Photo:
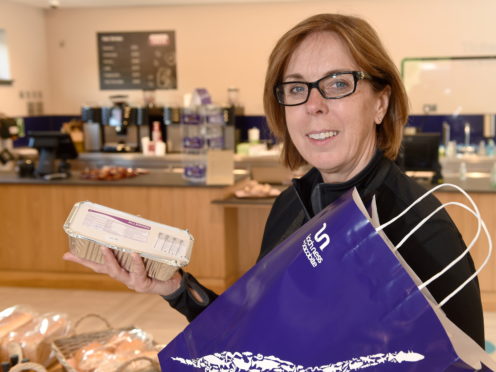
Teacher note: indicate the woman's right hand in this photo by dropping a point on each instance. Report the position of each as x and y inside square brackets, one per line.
[135, 279]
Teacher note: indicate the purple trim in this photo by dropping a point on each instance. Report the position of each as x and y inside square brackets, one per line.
[123, 220]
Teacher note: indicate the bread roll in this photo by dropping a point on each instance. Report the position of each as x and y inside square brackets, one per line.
[91, 355]
[12, 319]
[35, 337]
[15, 338]
[109, 355]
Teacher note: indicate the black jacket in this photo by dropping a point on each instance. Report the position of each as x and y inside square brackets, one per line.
[429, 250]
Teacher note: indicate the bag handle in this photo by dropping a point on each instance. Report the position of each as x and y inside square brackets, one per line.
[30, 367]
[91, 315]
[153, 364]
[464, 253]
[474, 211]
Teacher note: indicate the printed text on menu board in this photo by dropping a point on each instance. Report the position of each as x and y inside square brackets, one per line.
[137, 60]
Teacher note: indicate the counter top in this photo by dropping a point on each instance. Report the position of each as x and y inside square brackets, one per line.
[474, 185]
[173, 178]
[471, 184]
[138, 160]
[478, 183]
[153, 178]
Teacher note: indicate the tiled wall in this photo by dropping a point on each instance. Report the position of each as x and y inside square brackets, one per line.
[42, 123]
[423, 123]
[434, 123]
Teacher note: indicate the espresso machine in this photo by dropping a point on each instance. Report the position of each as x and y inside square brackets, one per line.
[116, 128]
[121, 127]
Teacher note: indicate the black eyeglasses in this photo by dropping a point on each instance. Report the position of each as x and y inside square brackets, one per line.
[333, 86]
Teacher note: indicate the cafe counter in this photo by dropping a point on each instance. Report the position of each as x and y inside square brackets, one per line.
[33, 211]
[227, 230]
[251, 216]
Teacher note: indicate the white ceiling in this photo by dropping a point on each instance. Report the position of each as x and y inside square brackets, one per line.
[125, 3]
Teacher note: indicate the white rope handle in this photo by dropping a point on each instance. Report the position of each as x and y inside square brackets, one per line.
[484, 263]
[442, 206]
[480, 224]
[439, 274]
[386, 224]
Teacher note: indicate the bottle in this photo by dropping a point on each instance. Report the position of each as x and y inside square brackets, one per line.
[490, 147]
[156, 133]
[157, 143]
[254, 135]
[451, 149]
[446, 131]
[193, 146]
[493, 175]
[463, 171]
[482, 148]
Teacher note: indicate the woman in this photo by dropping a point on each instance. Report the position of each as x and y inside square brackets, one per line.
[335, 99]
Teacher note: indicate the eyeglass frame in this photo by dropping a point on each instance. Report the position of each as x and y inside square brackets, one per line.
[357, 75]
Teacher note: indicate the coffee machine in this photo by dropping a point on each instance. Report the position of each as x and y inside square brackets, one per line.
[121, 127]
[116, 128]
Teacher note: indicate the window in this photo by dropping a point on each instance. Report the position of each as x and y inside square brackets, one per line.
[5, 78]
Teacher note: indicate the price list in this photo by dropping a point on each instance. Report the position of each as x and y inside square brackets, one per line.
[137, 60]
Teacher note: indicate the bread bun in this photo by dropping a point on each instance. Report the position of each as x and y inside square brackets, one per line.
[118, 349]
[12, 320]
[35, 337]
[90, 356]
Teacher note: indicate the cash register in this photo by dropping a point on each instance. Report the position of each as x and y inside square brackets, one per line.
[55, 149]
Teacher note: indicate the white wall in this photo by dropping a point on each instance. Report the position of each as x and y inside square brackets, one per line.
[25, 33]
[228, 45]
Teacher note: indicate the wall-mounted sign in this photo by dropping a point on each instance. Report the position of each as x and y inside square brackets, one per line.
[137, 60]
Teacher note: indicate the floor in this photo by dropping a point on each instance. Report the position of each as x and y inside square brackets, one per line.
[121, 309]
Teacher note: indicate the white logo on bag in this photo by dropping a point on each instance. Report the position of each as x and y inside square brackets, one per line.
[247, 361]
[320, 236]
[309, 246]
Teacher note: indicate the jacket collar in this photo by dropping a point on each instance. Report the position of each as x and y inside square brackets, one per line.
[314, 195]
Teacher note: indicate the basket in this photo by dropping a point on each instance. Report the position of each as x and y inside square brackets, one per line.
[137, 365]
[28, 367]
[64, 348]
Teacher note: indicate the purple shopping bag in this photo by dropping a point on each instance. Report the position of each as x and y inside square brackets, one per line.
[332, 297]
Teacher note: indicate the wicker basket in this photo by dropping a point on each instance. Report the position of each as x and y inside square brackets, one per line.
[28, 367]
[139, 364]
[64, 348]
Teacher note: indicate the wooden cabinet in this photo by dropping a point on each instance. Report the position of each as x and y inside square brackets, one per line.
[227, 237]
[32, 240]
[467, 224]
[251, 219]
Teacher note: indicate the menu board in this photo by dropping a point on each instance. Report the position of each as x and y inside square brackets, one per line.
[137, 60]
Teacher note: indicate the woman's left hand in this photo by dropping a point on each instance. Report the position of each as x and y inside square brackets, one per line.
[135, 279]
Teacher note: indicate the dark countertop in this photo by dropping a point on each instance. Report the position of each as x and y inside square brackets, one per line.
[173, 178]
[241, 202]
[154, 178]
[471, 185]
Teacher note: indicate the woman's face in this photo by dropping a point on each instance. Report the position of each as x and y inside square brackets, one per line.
[337, 136]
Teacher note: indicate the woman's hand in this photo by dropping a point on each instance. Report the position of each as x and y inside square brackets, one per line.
[135, 279]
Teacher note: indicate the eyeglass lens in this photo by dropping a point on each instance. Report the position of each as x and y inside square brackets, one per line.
[333, 86]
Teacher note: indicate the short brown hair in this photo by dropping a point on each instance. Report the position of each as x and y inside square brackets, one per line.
[367, 50]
